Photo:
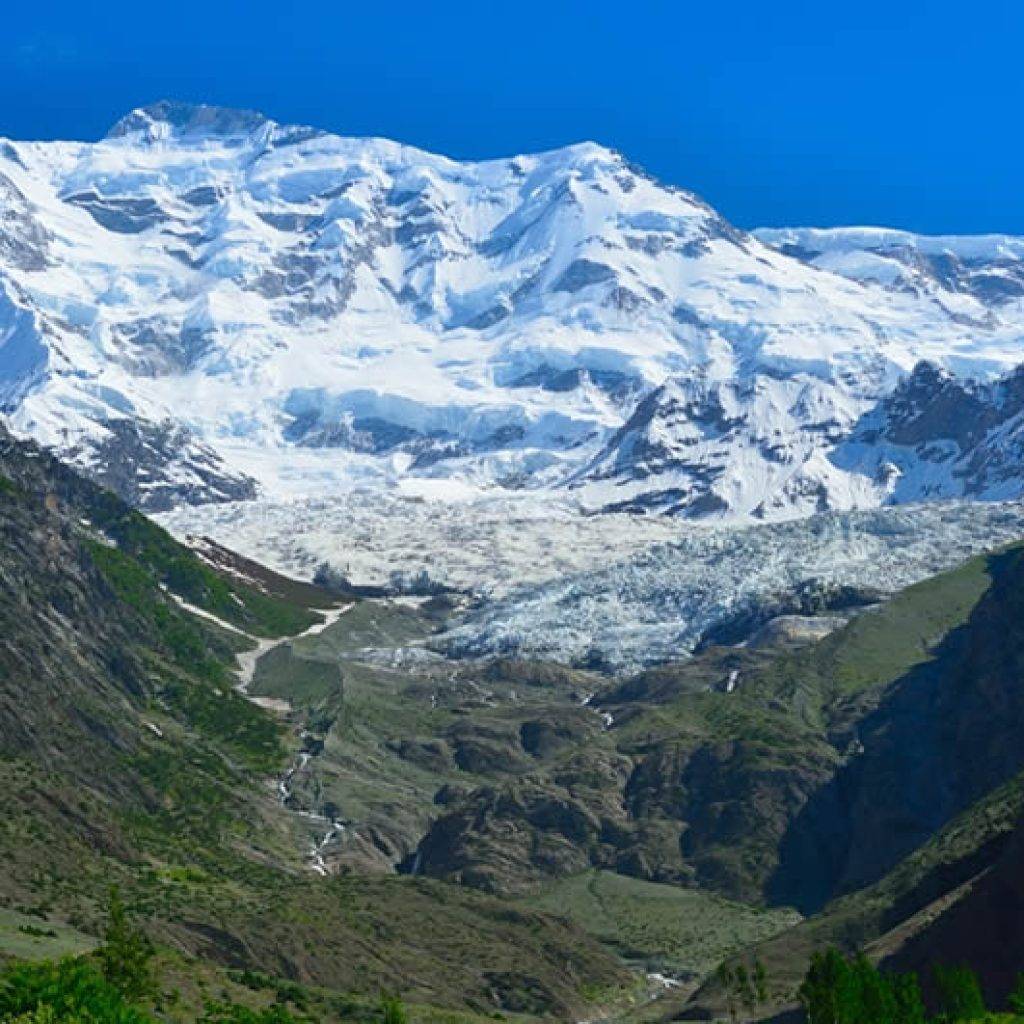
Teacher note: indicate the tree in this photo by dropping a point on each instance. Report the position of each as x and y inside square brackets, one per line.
[828, 991]
[743, 988]
[727, 980]
[760, 983]
[909, 1006]
[959, 993]
[126, 953]
[874, 994]
[836, 991]
[1017, 996]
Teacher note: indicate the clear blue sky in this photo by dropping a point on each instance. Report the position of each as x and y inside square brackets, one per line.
[899, 113]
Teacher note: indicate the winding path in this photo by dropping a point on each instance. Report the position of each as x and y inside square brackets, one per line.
[247, 659]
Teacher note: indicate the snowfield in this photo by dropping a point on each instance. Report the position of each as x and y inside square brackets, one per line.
[206, 305]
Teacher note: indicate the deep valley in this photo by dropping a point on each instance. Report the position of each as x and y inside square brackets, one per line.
[483, 834]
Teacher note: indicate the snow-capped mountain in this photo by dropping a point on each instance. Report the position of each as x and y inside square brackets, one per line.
[989, 268]
[206, 303]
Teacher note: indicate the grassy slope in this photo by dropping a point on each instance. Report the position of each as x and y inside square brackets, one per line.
[128, 758]
[680, 932]
[375, 716]
[877, 647]
[188, 985]
[32, 937]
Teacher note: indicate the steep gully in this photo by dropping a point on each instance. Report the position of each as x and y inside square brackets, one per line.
[247, 661]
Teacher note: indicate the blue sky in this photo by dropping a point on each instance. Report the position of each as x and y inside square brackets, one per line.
[898, 113]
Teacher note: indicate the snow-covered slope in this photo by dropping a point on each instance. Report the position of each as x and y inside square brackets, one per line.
[987, 268]
[213, 303]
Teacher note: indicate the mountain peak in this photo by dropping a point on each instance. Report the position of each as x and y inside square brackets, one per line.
[556, 318]
[187, 119]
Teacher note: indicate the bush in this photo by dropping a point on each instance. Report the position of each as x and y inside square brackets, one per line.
[392, 1010]
[67, 992]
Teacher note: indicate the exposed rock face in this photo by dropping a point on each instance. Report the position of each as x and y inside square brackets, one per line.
[24, 242]
[937, 436]
[734, 801]
[811, 600]
[80, 685]
[158, 466]
[498, 839]
[679, 429]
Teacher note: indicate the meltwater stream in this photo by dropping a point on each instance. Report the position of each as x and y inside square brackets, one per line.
[247, 661]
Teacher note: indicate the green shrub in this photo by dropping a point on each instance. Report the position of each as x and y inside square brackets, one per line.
[392, 1010]
[126, 954]
[66, 992]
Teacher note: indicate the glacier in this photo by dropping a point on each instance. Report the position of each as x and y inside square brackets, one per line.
[616, 591]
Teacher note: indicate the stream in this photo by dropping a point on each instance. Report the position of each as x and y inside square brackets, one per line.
[247, 661]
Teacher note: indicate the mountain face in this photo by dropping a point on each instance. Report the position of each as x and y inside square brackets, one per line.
[985, 268]
[220, 304]
[128, 757]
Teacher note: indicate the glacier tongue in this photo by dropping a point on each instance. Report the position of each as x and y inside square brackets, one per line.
[659, 604]
[617, 591]
[232, 306]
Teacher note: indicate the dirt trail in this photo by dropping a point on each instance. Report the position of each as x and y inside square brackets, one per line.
[247, 659]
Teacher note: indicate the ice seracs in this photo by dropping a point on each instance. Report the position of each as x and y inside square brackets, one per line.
[719, 584]
[220, 305]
